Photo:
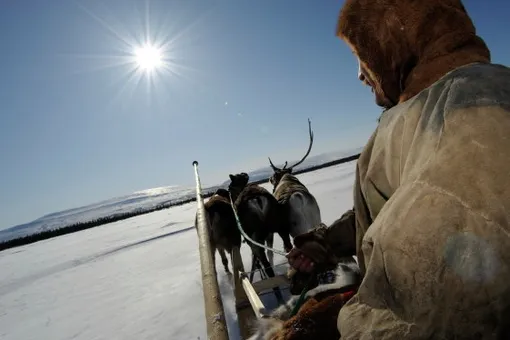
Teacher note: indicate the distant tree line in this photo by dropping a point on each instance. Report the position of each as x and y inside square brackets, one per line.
[47, 234]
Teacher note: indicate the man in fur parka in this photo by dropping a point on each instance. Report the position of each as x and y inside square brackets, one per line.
[431, 218]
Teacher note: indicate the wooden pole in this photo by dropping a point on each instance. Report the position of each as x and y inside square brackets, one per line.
[214, 312]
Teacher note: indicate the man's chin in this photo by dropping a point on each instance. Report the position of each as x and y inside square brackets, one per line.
[383, 101]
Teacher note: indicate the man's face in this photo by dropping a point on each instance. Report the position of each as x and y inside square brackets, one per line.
[364, 75]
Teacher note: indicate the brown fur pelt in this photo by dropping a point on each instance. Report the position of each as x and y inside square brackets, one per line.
[215, 200]
[252, 191]
[407, 45]
[221, 205]
[316, 319]
[288, 185]
[226, 235]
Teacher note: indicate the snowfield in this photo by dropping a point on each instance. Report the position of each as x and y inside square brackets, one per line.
[134, 279]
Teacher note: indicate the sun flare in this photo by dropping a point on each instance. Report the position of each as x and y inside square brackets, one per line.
[144, 52]
[148, 58]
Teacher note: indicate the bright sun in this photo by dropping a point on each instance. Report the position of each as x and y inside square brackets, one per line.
[148, 58]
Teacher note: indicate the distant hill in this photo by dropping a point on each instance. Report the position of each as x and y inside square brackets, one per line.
[265, 172]
[142, 201]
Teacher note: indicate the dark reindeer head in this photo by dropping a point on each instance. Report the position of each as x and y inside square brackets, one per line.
[278, 173]
[237, 183]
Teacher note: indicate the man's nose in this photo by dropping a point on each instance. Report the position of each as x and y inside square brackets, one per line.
[360, 74]
[361, 77]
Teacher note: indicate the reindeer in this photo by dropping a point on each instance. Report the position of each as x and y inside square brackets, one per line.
[223, 232]
[259, 214]
[300, 207]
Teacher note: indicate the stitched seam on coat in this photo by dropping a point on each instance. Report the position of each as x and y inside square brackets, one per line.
[459, 200]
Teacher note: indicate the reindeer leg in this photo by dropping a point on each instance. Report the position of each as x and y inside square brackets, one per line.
[261, 255]
[257, 266]
[287, 244]
[253, 265]
[224, 259]
[263, 275]
[213, 254]
[269, 243]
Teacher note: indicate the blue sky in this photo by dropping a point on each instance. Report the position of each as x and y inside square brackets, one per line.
[76, 129]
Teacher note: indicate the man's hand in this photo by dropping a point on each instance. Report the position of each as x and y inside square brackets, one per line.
[300, 261]
[311, 252]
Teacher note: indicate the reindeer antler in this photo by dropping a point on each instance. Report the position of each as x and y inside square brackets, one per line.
[302, 159]
[310, 132]
[272, 165]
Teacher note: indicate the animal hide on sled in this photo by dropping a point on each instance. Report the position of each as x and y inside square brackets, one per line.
[317, 317]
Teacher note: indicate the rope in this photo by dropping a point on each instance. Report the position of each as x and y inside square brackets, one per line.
[276, 251]
[258, 270]
[301, 299]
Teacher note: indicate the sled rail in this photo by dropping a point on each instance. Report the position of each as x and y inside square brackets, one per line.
[256, 303]
[249, 306]
[270, 283]
[214, 311]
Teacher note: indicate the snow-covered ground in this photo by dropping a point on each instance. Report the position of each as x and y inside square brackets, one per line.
[134, 279]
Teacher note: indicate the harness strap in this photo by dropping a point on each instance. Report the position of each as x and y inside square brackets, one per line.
[301, 298]
[276, 251]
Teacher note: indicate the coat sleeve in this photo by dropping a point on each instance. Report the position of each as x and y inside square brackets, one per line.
[435, 269]
[327, 245]
[341, 235]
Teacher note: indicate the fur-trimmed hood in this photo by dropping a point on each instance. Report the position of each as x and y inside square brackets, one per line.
[407, 45]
